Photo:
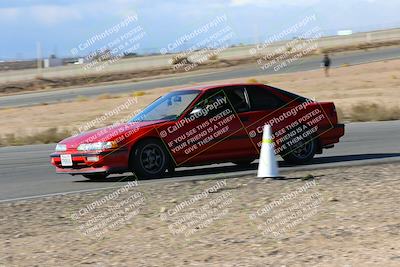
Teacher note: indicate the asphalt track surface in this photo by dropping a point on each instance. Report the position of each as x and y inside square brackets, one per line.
[25, 172]
[304, 64]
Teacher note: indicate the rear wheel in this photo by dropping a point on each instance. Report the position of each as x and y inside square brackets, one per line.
[96, 176]
[302, 151]
[150, 159]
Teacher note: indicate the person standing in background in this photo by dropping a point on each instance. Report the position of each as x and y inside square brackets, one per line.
[327, 64]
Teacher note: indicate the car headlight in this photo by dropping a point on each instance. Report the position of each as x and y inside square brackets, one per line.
[61, 147]
[97, 146]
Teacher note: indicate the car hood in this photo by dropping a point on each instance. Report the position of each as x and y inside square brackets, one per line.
[105, 134]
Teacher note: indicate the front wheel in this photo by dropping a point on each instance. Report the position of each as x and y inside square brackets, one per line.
[150, 159]
[302, 152]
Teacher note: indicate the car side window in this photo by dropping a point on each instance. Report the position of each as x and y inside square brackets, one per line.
[261, 98]
[237, 98]
[214, 102]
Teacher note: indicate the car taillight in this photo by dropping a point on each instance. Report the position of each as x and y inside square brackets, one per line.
[334, 114]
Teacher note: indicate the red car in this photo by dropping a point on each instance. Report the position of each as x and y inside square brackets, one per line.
[211, 124]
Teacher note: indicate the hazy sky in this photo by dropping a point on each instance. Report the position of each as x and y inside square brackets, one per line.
[61, 25]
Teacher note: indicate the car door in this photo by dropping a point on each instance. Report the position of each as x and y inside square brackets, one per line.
[199, 131]
[239, 144]
[226, 138]
[265, 108]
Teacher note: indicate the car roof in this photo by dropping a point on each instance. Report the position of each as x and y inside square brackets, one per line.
[209, 87]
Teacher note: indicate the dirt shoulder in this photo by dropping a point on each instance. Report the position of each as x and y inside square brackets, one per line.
[343, 217]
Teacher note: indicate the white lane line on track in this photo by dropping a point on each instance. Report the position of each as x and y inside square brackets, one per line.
[57, 194]
[96, 189]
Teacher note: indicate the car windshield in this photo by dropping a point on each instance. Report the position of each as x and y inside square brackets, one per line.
[167, 107]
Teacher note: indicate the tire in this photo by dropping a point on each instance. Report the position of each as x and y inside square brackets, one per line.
[171, 169]
[302, 152]
[96, 176]
[243, 163]
[149, 159]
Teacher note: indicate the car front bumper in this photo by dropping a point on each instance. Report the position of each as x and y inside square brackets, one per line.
[108, 162]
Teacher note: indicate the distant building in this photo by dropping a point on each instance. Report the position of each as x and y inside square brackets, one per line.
[345, 32]
[52, 61]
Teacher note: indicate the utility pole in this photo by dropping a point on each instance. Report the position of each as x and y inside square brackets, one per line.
[39, 57]
[256, 34]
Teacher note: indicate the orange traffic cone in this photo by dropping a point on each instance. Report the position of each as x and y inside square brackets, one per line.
[267, 165]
